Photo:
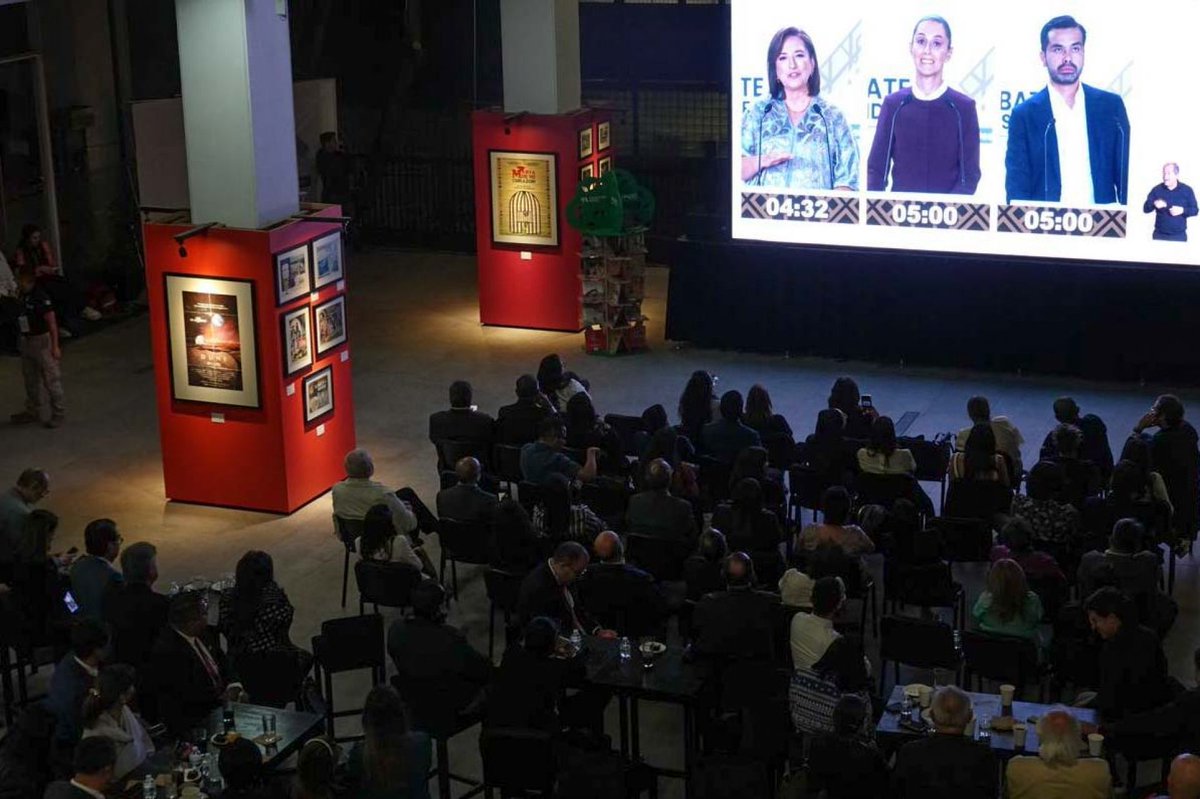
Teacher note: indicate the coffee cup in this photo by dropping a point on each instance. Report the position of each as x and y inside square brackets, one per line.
[190, 792]
[925, 695]
[1006, 695]
[912, 693]
[1019, 730]
[1095, 744]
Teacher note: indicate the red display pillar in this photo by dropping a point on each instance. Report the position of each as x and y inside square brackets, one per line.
[266, 458]
[530, 285]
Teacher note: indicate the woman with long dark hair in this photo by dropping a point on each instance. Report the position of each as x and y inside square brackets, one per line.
[979, 460]
[760, 414]
[845, 397]
[586, 429]
[882, 454]
[746, 522]
[106, 713]
[255, 614]
[558, 384]
[697, 404]
[392, 761]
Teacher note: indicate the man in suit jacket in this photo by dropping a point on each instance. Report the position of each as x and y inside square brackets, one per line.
[467, 502]
[93, 764]
[133, 611]
[191, 676]
[461, 423]
[1069, 142]
[91, 574]
[517, 424]
[947, 764]
[426, 650]
[73, 676]
[727, 436]
[546, 591]
[656, 513]
[735, 622]
[619, 596]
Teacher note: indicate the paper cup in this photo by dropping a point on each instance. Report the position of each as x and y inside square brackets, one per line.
[926, 695]
[1019, 731]
[190, 792]
[913, 692]
[1095, 744]
[1006, 694]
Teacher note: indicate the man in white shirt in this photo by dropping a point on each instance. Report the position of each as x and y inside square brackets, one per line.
[358, 493]
[1008, 437]
[812, 633]
[93, 766]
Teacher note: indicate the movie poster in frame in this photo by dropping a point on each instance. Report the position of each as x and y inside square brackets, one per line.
[585, 143]
[328, 259]
[524, 194]
[329, 322]
[603, 136]
[605, 165]
[587, 171]
[293, 276]
[297, 341]
[210, 340]
[318, 394]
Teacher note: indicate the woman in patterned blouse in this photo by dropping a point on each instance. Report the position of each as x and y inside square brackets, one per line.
[255, 614]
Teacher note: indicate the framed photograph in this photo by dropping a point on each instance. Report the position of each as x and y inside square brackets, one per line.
[603, 136]
[318, 394]
[327, 259]
[605, 165]
[297, 341]
[585, 142]
[329, 320]
[587, 171]
[293, 279]
[524, 194]
[210, 340]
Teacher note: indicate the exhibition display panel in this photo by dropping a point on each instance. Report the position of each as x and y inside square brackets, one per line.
[251, 359]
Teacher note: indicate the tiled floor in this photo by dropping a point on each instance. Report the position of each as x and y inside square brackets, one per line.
[415, 328]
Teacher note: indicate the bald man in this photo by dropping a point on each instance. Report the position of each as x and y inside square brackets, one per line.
[654, 512]
[948, 764]
[735, 622]
[1184, 780]
[1057, 771]
[619, 596]
[467, 502]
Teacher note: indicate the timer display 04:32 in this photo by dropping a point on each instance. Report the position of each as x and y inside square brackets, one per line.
[814, 209]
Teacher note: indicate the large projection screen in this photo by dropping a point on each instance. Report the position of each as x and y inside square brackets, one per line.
[986, 144]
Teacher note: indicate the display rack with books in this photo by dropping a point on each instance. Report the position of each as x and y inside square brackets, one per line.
[614, 285]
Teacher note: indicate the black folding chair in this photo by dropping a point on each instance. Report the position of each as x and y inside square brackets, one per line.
[627, 428]
[608, 498]
[431, 708]
[964, 540]
[805, 488]
[518, 762]
[463, 542]
[450, 451]
[976, 499]
[1002, 658]
[926, 585]
[348, 532]
[507, 460]
[884, 489]
[933, 461]
[714, 478]
[349, 644]
[781, 450]
[660, 557]
[387, 584]
[273, 678]
[921, 643]
[503, 591]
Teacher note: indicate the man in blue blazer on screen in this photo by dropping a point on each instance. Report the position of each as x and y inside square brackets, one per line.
[1069, 142]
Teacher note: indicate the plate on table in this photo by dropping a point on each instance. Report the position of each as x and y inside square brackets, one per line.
[652, 649]
[223, 738]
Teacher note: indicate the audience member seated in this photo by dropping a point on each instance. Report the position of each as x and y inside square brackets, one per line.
[517, 424]
[814, 693]
[106, 713]
[73, 677]
[736, 622]
[1137, 570]
[724, 438]
[1081, 479]
[1094, 446]
[845, 763]
[586, 430]
[1175, 724]
[669, 445]
[358, 493]
[1144, 484]
[429, 652]
[557, 383]
[518, 547]
[25, 754]
[255, 615]
[697, 405]
[1017, 538]
[881, 455]
[530, 687]
[317, 770]
[1184, 780]
[467, 502]
[93, 767]
[91, 574]
[582, 523]
[655, 512]
[544, 458]
[835, 504]
[1054, 521]
[979, 459]
[1057, 771]
[947, 764]
[795, 588]
[762, 417]
[1132, 671]
[38, 587]
[190, 675]
[826, 452]
[549, 590]
[381, 544]
[15, 505]
[702, 572]
[619, 596]
[242, 771]
[1175, 456]
[1006, 437]
[752, 462]
[461, 423]
[391, 761]
[844, 397]
[1007, 606]
[746, 523]
[812, 633]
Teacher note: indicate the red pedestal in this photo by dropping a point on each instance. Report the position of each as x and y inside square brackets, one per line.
[264, 458]
[523, 286]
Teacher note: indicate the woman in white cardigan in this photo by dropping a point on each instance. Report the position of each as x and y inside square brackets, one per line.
[106, 713]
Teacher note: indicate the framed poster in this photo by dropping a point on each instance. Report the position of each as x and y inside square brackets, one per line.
[297, 341]
[327, 259]
[605, 165]
[603, 136]
[318, 394]
[524, 192]
[329, 320]
[585, 142]
[292, 277]
[587, 171]
[210, 340]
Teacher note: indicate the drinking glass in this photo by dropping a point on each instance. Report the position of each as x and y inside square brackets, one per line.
[269, 736]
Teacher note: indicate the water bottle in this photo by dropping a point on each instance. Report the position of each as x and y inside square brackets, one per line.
[576, 639]
[149, 788]
[625, 649]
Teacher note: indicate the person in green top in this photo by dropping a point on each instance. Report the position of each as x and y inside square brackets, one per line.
[1007, 606]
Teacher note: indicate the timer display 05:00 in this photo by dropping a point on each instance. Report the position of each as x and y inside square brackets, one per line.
[924, 214]
[1051, 220]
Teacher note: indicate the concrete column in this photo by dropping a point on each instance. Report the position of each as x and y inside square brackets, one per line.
[236, 68]
[540, 48]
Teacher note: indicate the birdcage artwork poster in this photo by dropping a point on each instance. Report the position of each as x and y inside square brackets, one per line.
[524, 199]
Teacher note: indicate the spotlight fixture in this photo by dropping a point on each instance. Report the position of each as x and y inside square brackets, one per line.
[199, 230]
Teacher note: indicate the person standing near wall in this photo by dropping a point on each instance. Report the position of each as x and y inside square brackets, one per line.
[40, 354]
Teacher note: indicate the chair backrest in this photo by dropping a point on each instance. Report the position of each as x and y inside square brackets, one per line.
[355, 642]
[964, 540]
[507, 463]
[466, 542]
[924, 643]
[781, 449]
[1000, 657]
[660, 557]
[451, 450]
[884, 489]
[609, 498]
[977, 499]
[781, 623]
[932, 457]
[805, 486]
[627, 428]
[503, 588]
[272, 678]
[714, 477]
[517, 760]
[348, 531]
[927, 585]
[387, 584]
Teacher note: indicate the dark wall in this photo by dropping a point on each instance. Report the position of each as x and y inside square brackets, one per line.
[654, 43]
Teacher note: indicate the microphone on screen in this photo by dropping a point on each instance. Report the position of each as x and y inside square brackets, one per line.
[828, 141]
[766, 110]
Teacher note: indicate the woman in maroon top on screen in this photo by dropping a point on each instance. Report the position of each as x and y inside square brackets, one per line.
[927, 136]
